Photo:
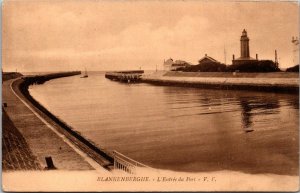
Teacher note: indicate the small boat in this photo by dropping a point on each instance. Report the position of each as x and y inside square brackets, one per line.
[248, 130]
[85, 74]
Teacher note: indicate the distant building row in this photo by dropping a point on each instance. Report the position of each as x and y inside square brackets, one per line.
[244, 59]
[170, 65]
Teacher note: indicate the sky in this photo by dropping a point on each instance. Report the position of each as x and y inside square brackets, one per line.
[60, 35]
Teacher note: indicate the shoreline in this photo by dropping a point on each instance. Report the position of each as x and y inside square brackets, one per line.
[272, 82]
[20, 88]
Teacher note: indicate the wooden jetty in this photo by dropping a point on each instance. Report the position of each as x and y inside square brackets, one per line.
[125, 76]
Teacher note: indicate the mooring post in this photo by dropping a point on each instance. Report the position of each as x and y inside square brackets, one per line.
[49, 162]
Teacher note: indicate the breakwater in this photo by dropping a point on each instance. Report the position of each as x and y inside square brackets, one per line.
[10, 75]
[246, 81]
[40, 79]
[21, 86]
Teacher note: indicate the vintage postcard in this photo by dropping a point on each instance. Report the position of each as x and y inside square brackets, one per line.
[162, 95]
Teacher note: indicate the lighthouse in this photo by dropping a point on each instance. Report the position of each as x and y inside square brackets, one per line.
[245, 51]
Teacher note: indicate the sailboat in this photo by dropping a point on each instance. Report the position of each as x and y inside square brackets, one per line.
[85, 74]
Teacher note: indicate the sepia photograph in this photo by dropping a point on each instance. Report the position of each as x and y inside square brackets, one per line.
[150, 95]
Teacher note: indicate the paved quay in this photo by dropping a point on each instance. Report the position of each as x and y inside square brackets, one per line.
[16, 154]
[259, 81]
[42, 140]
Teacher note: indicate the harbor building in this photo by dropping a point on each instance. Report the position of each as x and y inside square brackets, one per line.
[207, 59]
[170, 65]
[245, 51]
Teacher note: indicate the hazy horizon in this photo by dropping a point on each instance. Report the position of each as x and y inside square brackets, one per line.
[104, 35]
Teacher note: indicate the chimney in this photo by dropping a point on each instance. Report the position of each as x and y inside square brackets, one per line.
[205, 54]
[233, 57]
[256, 56]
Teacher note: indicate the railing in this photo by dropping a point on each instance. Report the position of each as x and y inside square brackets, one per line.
[121, 162]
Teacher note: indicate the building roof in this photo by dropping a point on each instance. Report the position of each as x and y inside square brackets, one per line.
[180, 63]
[177, 63]
[168, 62]
[209, 58]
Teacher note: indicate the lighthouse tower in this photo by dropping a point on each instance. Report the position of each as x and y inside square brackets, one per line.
[245, 53]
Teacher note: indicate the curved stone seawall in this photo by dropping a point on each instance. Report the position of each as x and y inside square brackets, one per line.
[101, 156]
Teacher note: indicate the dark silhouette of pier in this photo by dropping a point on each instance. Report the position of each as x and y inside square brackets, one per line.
[125, 76]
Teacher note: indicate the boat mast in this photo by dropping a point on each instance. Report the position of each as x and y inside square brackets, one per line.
[225, 54]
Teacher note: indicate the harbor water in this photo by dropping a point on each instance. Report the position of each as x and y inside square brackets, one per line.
[178, 128]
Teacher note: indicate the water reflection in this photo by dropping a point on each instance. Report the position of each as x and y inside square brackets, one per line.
[251, 130]
[246, 113]
[208, 101]
[294, 103]
[256, 106]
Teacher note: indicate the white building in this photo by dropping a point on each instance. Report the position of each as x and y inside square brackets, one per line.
[170, 65]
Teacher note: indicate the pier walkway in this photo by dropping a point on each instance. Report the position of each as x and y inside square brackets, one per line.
[274, 82]
[16, 155]
[41, 137]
